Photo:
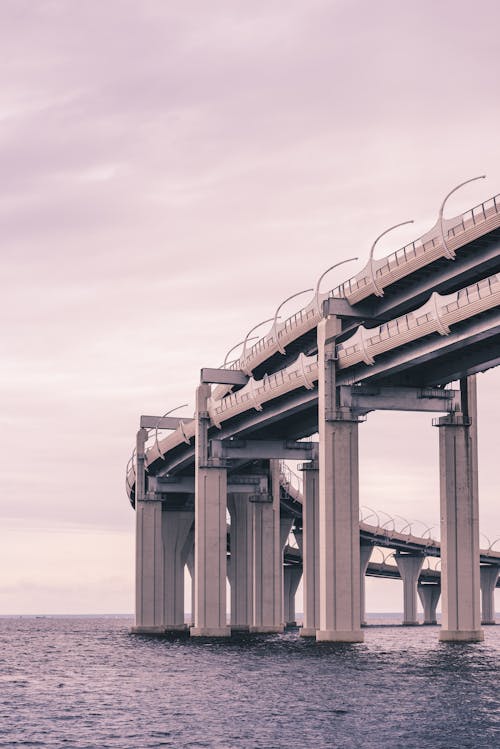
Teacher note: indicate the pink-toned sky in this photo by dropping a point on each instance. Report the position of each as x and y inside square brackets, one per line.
[172, 171]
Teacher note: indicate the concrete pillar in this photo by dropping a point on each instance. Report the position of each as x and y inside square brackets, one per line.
[291, 579]
[150, 568]
[429, 596]
[210, 531]
[365, 552]
[310, 548]
[489, 577]
[190, 566]
[461, 619]
[267, 558]
[338, 502]
[298, 533]
[241, 562]
[149, 558]
[176, 526]
[409, 566]
[286, 524]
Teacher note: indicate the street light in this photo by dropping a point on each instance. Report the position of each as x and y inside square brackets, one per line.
[349, 260]
[276, 316]
[447, 252]
[378, 291]
[235, 347]
[247, 338]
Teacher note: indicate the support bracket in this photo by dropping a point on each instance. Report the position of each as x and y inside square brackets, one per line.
[163, 422]
[263, 449]
[213, 376]
[345, 311]
[365, 398]
[248, 484]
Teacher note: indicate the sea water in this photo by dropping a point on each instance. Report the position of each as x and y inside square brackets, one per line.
[86, 682]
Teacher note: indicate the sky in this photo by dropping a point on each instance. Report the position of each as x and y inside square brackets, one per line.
[170, 173]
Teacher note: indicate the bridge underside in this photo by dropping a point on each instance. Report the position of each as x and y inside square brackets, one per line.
[206, 478]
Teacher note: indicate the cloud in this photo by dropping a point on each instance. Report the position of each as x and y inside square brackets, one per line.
[170, 173]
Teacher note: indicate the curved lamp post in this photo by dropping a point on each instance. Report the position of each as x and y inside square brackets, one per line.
[276, 316]
[247, 338]
[183, 405]
[378, 291]
[254, 338]
[450, 253]
[336, 265]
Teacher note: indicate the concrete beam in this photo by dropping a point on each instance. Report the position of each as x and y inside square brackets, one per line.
[367, 398]
[345, 311]
[163, 422]
[263, 450]
[212, 376]
[186, 485]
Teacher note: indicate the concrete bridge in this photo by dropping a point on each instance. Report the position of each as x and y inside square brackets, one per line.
[410, 552]
[393, 337]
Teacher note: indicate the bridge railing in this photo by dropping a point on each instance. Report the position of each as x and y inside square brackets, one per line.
[406, 259]
[477, 215]
[435, 316]
[387, 270]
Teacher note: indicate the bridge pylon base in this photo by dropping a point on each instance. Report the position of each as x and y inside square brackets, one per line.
[263, 630]
[337, 635]
[307, 632]
[474, 635]
[210, 631]
[145, 630]
[176, 630]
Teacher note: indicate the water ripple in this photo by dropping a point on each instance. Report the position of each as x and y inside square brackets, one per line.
[86, 683]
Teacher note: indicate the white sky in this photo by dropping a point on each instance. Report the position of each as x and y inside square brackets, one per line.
[172, 171]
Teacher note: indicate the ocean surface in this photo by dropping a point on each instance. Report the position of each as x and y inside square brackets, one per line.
[86, 682]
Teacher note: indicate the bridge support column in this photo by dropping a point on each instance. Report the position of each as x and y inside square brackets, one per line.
[286, 525]
[267, 559]
[241, 562]
[489, 577]
[149, 558]
[338, 501]
[429, 596]
[409, 566]
[461, 619]
[291, 581]
[190, 566]
[310, 548]
[176, 526]
[365, 554]
[150, 567]
[210, 529]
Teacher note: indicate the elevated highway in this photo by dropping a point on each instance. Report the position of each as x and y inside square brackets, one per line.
[392, 337]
